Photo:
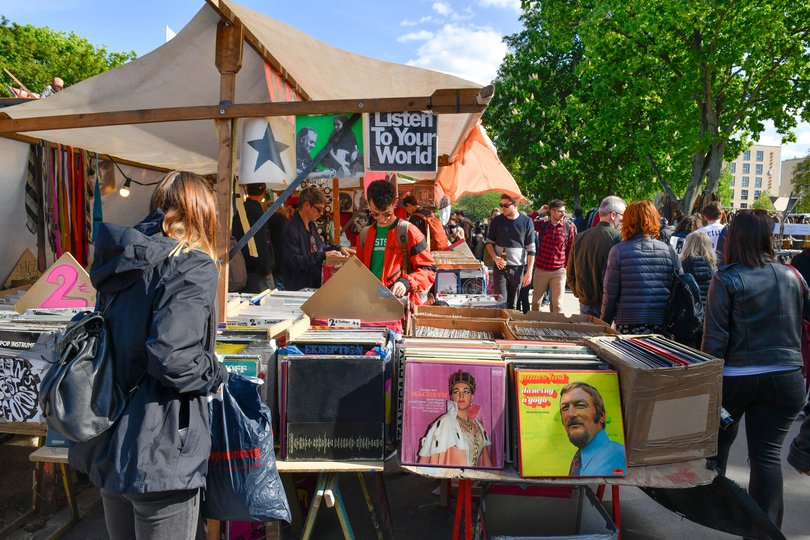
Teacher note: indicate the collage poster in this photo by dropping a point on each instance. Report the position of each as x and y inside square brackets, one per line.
[454, 414]
[345, 160]
[569, 423]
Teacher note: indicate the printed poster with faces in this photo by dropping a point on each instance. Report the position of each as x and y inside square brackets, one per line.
[453, 414]
[569, 423]
[345, 158]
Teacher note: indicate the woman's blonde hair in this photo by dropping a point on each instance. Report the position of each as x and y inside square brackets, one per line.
[190, 211]
[698, 244]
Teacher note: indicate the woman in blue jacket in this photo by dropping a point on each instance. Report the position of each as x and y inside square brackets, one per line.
[159, 281]
[754, 322]
[639, 274]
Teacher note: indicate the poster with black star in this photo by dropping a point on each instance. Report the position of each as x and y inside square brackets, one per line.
[403, 142]
[344, 160]
[267, 153]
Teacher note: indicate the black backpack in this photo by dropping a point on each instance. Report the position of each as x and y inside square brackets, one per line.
[79, 395]
[684, 315]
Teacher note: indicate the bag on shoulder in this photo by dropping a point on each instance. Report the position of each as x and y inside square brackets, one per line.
[79, 395]
[685, 310]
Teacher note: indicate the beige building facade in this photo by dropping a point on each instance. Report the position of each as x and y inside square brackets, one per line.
[755, 171]
[788, 166]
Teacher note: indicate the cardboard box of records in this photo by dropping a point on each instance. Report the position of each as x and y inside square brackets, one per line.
[544, 316]
[571, 332]
[459, 328]
[671, 397]
[460, 312]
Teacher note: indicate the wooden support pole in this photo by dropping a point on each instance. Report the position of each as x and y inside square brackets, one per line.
[228, 62]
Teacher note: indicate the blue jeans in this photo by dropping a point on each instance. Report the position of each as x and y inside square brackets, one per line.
[769, 403]
[167, 515]
[507, 284]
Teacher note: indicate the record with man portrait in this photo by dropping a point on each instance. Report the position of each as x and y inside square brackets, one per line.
[569, 423]
[453, 414]
[344, 159]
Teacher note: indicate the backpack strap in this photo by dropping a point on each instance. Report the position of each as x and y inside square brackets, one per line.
[402, 234]
[363, 235]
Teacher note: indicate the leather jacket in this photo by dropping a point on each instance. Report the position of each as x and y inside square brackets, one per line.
[754, 315]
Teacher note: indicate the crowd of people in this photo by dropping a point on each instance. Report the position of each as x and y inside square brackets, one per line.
[622, 269]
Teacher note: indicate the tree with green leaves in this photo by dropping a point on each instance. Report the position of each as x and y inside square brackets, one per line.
[662, 89]
[35, 55]
[763, 202]
[478, 207]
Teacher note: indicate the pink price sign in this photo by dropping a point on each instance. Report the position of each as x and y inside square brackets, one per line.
[66, 278]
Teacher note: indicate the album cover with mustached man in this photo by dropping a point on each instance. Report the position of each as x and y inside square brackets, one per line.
[569, 423]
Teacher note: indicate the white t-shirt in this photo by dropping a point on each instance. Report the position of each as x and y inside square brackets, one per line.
[713, 232]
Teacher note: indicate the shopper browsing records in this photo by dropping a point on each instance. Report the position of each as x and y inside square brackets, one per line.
[510, 244]
[582, 411]
[304, 249]
[159, 280]
[457, 438]
[393, 249]
[754, 323]
[639, 274]
[589, 255]
[259, 258]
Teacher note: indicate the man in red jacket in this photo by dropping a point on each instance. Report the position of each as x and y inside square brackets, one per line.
[407, 268]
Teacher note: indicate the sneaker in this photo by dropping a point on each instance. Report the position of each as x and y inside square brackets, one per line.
[545, 303]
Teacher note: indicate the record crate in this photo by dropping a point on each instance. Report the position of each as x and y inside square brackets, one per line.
[671, 411]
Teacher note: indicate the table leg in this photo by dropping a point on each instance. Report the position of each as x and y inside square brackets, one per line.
[297, 516]
[371, 509]
[617, 510]
[460, 498]
[71, 498]
[468, 509]
[384, 506]
[309, 524]
[600, 492]
[340, 507]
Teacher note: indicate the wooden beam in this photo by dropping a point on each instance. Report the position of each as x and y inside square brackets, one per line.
[228, 61]
[226, 13]
[441, 102]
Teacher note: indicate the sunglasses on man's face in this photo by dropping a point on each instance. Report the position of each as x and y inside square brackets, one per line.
[319, 209]
[506, 205]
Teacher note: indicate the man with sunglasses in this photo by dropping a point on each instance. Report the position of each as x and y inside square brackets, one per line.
[510, 243]
[393, 249]
[304, 249]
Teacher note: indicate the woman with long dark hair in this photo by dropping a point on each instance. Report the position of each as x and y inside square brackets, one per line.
[754, 322]
[158, 281]
[639, 274]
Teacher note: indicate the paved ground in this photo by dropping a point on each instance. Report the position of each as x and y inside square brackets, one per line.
[415, 509]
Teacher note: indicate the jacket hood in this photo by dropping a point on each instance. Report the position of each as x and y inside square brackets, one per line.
[124, 254]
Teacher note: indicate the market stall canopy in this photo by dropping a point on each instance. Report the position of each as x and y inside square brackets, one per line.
[281, 64]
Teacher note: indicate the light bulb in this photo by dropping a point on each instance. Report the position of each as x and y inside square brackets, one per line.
[124, 191]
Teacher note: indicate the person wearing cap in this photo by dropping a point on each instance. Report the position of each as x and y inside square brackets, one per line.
[304, 249]
[56, 86]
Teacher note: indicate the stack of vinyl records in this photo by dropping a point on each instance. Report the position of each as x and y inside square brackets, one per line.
[451, 389]
[274, 312]
[653, 352]
[540, 355]
[334, 386]
[252, 356]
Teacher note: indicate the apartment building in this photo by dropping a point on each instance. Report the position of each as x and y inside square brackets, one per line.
[755, 171]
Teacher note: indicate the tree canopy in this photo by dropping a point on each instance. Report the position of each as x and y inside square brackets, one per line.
[35, 55]
[606, 96]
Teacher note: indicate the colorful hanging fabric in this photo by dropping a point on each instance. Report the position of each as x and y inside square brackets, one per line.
[98, 213]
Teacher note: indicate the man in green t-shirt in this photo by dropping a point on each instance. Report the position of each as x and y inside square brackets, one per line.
[378, 253]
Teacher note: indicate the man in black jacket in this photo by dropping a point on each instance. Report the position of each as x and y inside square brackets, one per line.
[304, 249]
[589, 256]
[259, 260]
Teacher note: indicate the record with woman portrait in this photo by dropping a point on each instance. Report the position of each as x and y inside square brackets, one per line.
[453, 414]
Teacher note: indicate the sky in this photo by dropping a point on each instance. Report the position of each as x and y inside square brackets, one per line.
[455, 36]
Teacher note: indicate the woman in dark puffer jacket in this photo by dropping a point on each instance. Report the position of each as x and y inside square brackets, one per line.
[639, 274]
[698, 259]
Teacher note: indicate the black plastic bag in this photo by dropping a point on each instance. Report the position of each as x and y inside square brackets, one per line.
[243, 482]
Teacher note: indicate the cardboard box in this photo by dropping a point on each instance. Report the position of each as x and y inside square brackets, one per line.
[515, 512]
[670, 414]
[569, 332]
[461, 312]
[543, 316]
[496, 326]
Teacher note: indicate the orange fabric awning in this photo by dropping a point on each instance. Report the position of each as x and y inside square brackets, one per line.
[477, 170]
